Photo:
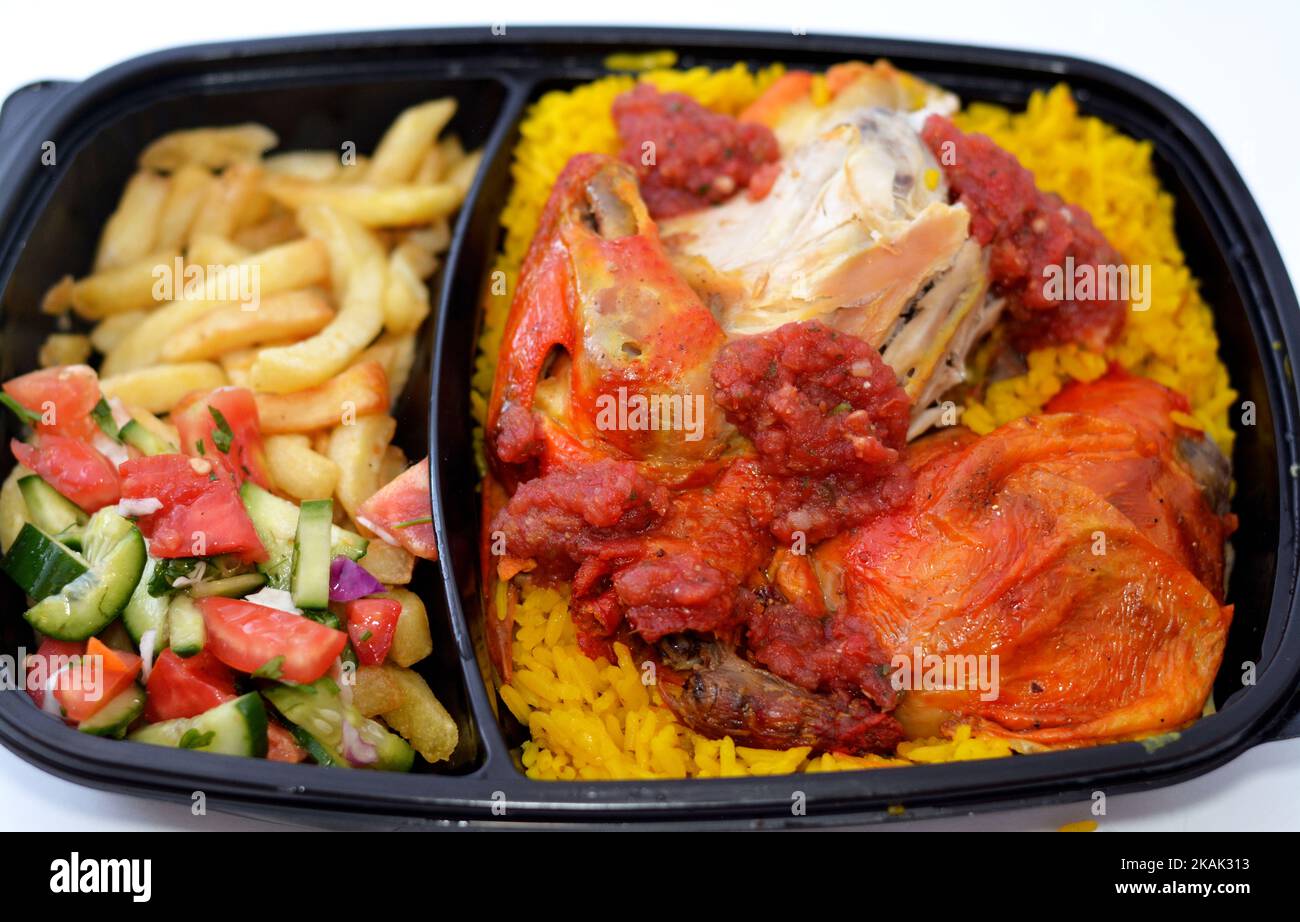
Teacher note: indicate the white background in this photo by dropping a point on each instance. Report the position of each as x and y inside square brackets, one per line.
[1235, 64]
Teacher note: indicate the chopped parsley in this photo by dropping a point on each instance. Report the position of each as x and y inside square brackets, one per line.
[24, 414]
[223, 435]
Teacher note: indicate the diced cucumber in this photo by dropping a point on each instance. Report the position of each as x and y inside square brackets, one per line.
[116, 716]
[186, 631]
[276, 521]
[52, 512]
[114, 552]
[233, 587]
[144, 441]
[236, 728]
[145, 611]
[40, 565]
[318, 712]
[311, 554]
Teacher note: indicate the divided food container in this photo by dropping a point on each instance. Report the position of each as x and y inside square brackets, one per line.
[319, 92]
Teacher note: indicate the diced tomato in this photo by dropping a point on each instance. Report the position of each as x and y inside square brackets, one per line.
[250, 637]
[281, 746]
[371, 625]
[403, 511]
[52, 654]
[62, 396]
[180, 687]
[112, 673]
[201, 512]
[73, 468]
[197, 424]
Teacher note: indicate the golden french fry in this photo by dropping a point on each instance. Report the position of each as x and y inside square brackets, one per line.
[138, 285]
[110, 331]
[59, 296]
[461, 176]
[406, 300]
[412, 641]
[190, 188]
[64, 349]
[358, 450]
[397, 355]
[133, 228]
[299, 471]
[276, 229]
[211, 148]
[373, 206]
[286, 316]
[358, 272]
[388, 563]
[299, 264]
[451, 151]
[209, 250]
[421, 261]
[433, 239]
[431, 168]
[358, 392]
[404, 144]
[394, 463]
[374, 692]
[228, 200]
[421, 718]
[160, 387]
[316, 165]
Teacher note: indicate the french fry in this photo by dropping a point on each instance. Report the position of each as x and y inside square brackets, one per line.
[110, 331]
[190, 188]
[316, 165]
[59, 296]
[210, 148]
[404, 144]
[131, 231]
[299, 264]
[461, 176]
[388, 563]
[397, 355]
[299, 471]
[373, 206]
[412, 641]
[358, 450]
[406, 299]
[421, 259]
[276, 229]
[286, 316]
[208, 250]
[421, 719]
[358, 392]
[131, 287]
[64, 349]
[375, 691]
[358, 271]
[393, 464]
[228, 200]
[451, 151]
[160, 387]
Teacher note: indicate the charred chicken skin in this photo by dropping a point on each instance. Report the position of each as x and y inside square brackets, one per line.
[779, 546]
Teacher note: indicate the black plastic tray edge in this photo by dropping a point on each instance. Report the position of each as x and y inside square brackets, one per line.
[45, 755]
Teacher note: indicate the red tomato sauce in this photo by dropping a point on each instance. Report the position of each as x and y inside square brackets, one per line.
[1027, 231]
[697, 157]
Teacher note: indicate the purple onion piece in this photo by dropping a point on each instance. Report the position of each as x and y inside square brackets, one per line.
[349, 580]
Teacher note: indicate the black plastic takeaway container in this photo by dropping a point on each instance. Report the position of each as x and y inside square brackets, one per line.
[323, 90]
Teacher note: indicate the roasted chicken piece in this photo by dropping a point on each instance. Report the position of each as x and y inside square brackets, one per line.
[607, 351]
[856, 232]
[1076, 548]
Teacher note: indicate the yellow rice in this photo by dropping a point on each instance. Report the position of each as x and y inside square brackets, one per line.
[595, 719]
